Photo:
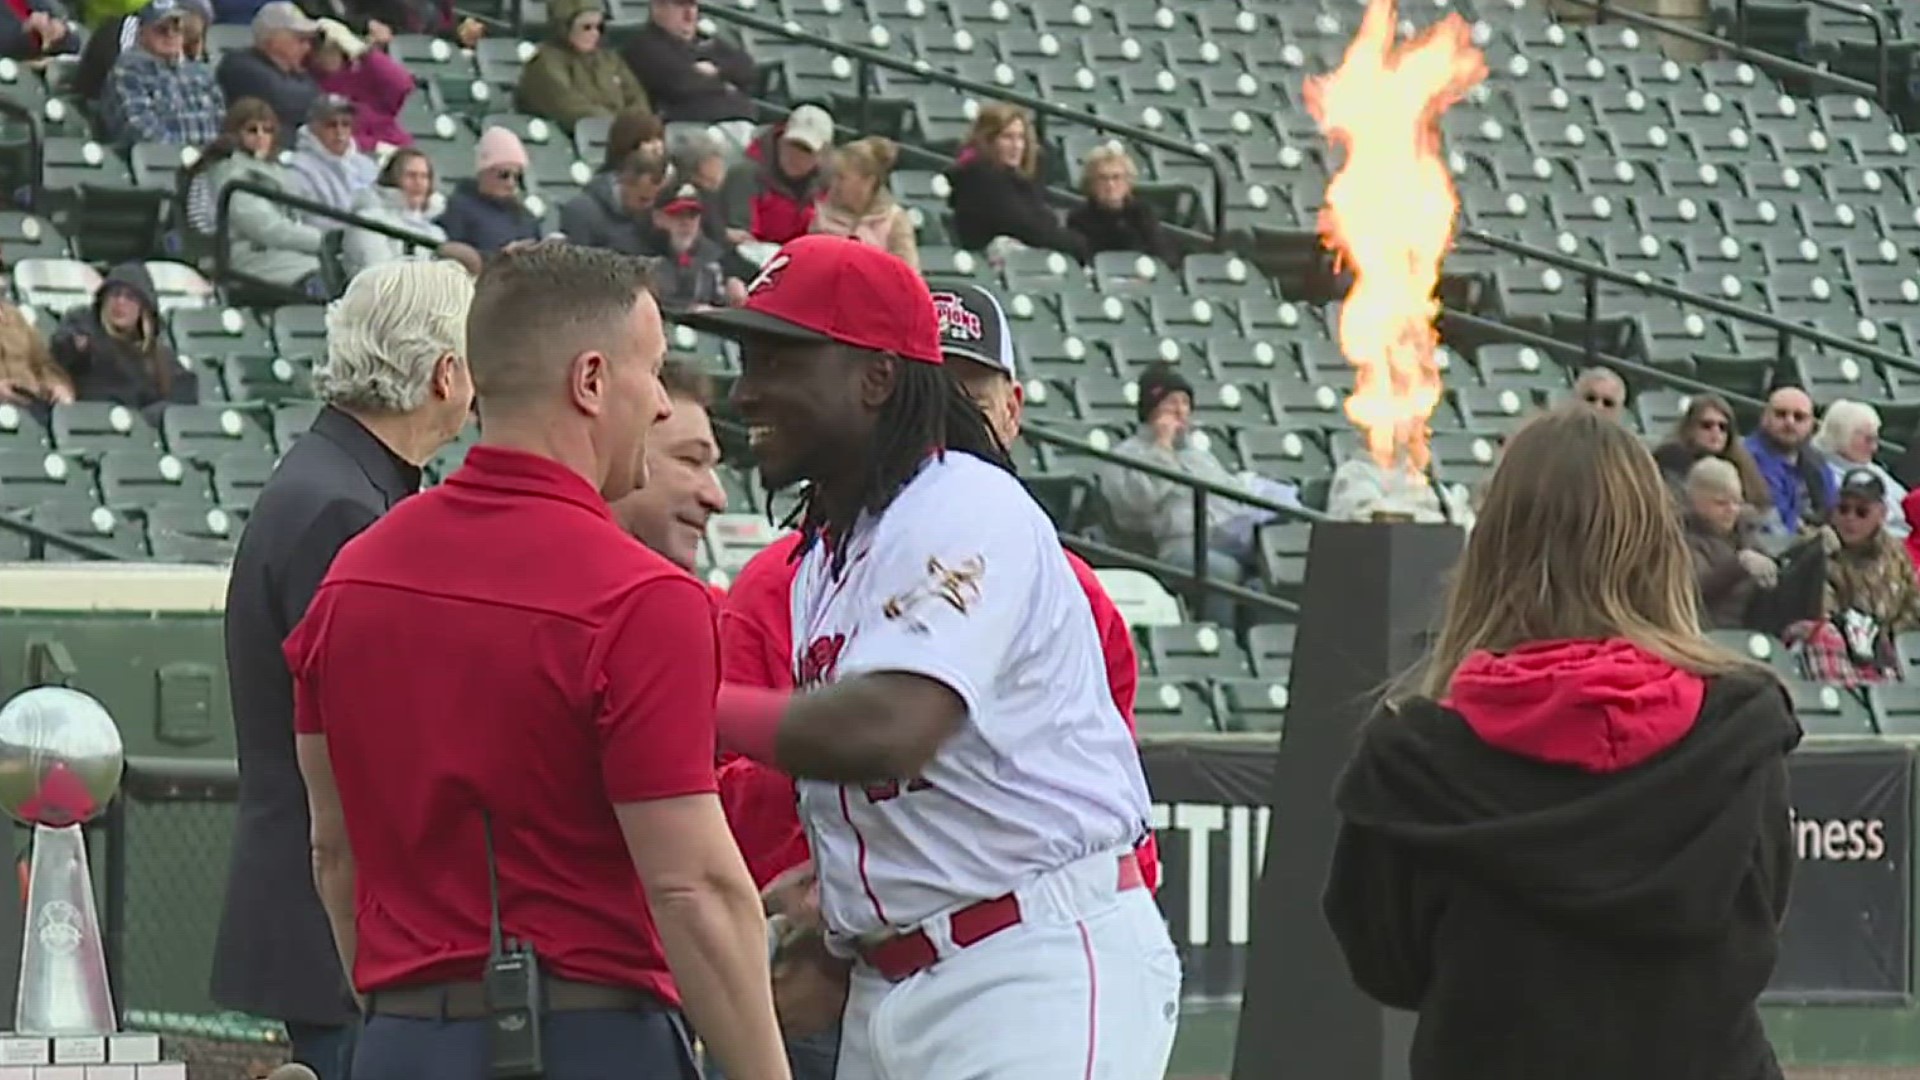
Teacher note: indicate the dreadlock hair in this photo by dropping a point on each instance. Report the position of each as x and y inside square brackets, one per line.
[929, 411]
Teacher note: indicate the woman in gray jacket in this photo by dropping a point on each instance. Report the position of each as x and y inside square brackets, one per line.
[270, 242]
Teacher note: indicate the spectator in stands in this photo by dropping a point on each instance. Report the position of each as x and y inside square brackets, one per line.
[396, 389]
[689, 275]
[29, 375]
[270, 242]
[615, 210]
[1848, 438]
[701, 159]
[108, 40]
[693, 78]
[156, 93]
[1113, 218]
[1872, 593]
[275, 68]
[1707, 429]
[1602, 388]
[1797, 477]
[404, 197]
[1726, 565]
[1568, 717]
[997, 194]
[489, 211]
[630, 130]
[1162, 510]
[571, 77]
[116, 348]
[435, 18]
[330, 168]
[860, 204]
[682, 492]
[361, 71]
[773, 192]
[35, 29]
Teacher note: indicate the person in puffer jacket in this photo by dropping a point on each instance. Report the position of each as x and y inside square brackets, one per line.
[490, 211]
[772, 193]
[331, 168]
[116, 348]
[573, 76]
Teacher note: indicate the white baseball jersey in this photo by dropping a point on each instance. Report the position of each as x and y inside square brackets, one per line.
[963, 580]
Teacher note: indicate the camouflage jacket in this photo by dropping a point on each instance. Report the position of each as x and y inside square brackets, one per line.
[1877, 579]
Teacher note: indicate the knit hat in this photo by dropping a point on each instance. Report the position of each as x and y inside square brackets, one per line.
[499, 148]
[1156, 383]
[336, 34]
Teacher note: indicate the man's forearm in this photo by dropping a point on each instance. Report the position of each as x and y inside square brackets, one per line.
[716, 944]
[838, 733]
[333, 879]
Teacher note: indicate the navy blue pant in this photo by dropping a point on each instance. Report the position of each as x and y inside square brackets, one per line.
[592, 1044]
[328, 1051]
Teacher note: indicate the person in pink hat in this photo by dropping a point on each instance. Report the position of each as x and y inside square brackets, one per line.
[490, 211]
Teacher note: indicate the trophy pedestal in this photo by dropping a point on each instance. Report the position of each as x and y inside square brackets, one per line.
[1372, 597]
[63, 962]
[128, 1056]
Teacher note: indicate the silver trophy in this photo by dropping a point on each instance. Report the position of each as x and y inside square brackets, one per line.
[60, 764]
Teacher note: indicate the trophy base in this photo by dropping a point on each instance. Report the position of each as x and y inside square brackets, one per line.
[130, 1056]
[63, 961]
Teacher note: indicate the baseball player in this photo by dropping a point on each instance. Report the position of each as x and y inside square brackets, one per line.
[971, 794]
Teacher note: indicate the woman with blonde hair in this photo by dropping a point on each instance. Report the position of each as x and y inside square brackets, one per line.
[996, 188]
[28, 373]
[858, 203]
[1114, 218]
[1568, 847]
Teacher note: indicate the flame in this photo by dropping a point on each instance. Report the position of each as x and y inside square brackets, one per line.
[1389, 217]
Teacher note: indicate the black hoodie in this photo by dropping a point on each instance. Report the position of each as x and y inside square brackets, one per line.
[1574, 869]
[137, 372]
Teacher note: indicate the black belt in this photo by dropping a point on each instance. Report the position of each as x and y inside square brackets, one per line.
[468, 1000]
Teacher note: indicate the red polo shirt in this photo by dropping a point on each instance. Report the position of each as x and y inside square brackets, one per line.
[756, 649]
[498, 642]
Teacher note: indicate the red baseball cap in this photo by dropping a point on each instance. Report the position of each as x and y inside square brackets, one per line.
[820, 289]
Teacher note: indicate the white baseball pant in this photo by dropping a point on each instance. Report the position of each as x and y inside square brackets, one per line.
[1085, 987]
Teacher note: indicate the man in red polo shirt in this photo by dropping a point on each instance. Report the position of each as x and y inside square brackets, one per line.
[756, 636]
[497, 672]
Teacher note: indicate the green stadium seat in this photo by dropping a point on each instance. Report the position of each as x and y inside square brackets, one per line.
[131, 479]
[1270, 647]
[204, 432]
[54, 285]
[33, 477]
[1164, 706]
[21, 430]
[214, 333]
[1140, 597]
[192, 534]
[300, 330]
[179, 286]
[266, 379]
[1193, 650]
[97, 426]
[24, 236]
[238, 478]
[1252, 705]
[1830, 710]
[95, 524]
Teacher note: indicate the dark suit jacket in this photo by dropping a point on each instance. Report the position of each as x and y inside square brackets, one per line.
[275, 955]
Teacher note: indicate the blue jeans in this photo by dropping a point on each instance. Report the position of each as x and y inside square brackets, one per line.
[591, 1044]
[812, 1058]
[328, 1051]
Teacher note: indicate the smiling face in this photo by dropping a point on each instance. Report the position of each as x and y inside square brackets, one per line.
[670, 513]
[803, 405]
[1010, 146]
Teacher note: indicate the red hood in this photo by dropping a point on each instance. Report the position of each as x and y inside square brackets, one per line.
[1601, 706]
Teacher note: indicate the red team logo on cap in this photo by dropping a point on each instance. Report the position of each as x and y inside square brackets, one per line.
[955, 319]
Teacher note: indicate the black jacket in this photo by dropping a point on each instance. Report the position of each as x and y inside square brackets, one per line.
[1130, 228]
[990, 201]
[275, 956]
[1583, 882]
[596, 218]
[664, 65]
[123, 370]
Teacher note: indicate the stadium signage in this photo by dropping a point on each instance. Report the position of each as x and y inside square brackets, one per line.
[1847, 938]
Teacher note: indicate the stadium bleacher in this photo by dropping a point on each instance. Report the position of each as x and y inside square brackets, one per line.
[1587, 143]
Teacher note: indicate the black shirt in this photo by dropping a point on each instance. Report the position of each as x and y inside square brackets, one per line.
[275, 955]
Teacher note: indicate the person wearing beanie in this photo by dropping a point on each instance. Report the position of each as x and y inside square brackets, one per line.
[489, 211]
[1159, 513]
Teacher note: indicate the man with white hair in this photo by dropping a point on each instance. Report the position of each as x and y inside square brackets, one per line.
[275, 69]
[396, 389]
[1726, 566]
[1602, 390]
[1849, 436]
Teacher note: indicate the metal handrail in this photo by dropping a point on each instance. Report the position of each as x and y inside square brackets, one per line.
[868, 58]
[1604, 10]
[97, 552]
[1108, 555]
[1875, 20]
[223, 227]
[1595, 273]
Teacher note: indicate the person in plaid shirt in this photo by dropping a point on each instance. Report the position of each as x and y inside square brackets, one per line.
[155, 93]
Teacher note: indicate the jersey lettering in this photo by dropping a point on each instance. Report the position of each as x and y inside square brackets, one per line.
[877, 793]
[818, 662]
